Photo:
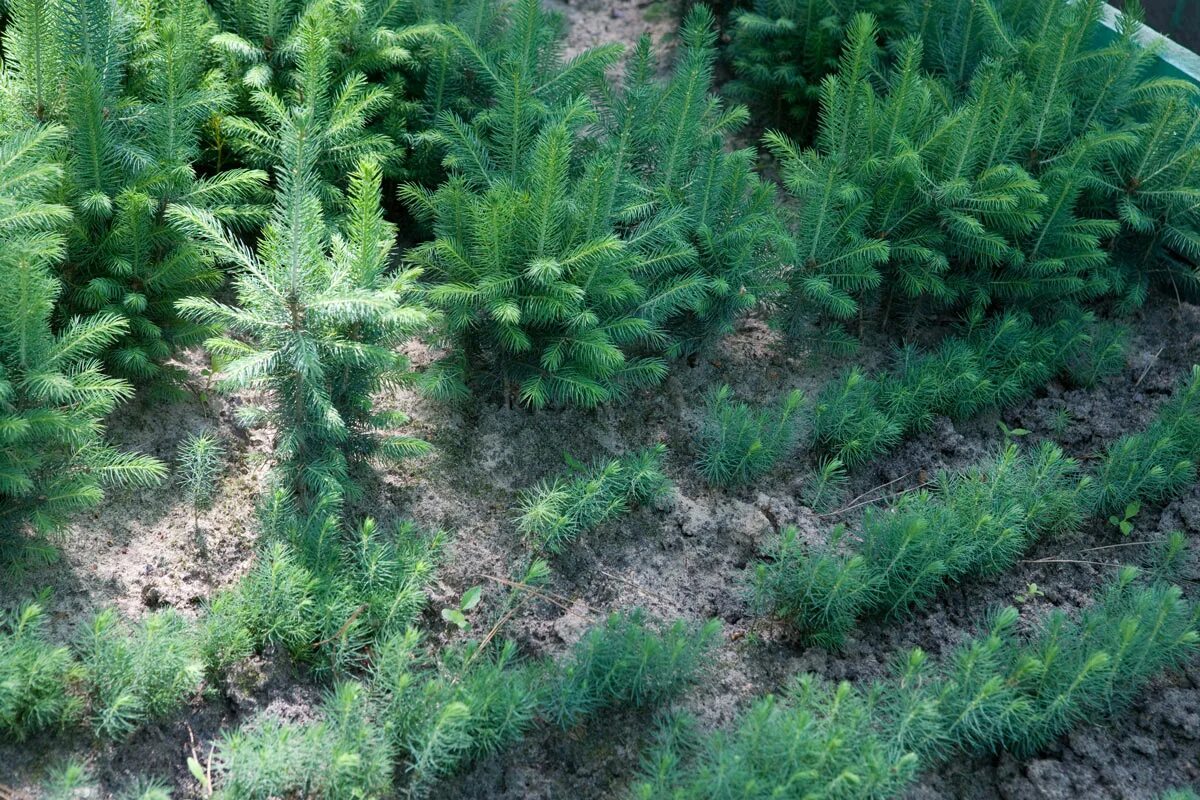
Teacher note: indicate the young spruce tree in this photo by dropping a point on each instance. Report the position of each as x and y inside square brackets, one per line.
[133, 92]
[53, 393]
[319, 314]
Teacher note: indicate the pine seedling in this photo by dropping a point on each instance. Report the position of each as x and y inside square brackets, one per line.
[650, 240]
[54, 460]
[475, 701]
[553, 315]
[556, 512]
[739, 444]
[977, 522]
[319, 317]
[1104, 358]
[1061, 422]
[274, 605]
[38, 680]
[836, 258]
[1000, 693]
[342, 754]
[994, 364]
[139, 673]
[626, 661]
[223, 633]
[826, 485]
[1170, 559]
[849, 422]
[325, 592]
[818, 591]
[816, 740]
[199, 464]
[1155, 463]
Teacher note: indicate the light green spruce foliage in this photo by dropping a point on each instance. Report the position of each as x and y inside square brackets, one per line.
[54, 395]
[320, 312]
[133, 86]
[579, 243]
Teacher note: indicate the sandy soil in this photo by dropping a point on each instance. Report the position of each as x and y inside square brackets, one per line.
[684, 559]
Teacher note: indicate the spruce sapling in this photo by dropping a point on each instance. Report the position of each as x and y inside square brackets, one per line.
[320, 314]
[54, 396]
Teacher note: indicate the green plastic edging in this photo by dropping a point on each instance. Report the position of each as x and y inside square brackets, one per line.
[1174, 59]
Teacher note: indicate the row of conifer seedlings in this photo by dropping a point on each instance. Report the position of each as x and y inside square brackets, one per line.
[975, 523]
[1000, 689]
[997, 690]
[345, 602]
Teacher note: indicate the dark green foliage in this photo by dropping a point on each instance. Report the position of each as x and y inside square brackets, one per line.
[132, 92]
[1155, 187]
[319, 317]
[116, 677]
[535, 291]
[739, 444]
[137, 673]
[782, 49]
[441, 712]
[53, 393]
[626, 662]
[37, 678]
[578, 243]
[323, 105]
[1001, 159]
[556, 512]
[1155, 463]
[720, 240]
